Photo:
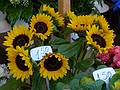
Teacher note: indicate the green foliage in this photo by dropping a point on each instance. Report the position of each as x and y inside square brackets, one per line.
[85, 64]
[86, 82]
[101, 66]
[56, 42]
[115, 82]
[82, 6]
[82, 81]
[80, 75]
[59, 86]
[12, 84]
[4, 4]
[27, 13]
[37, 81]
[13, 14]
[70, 50]
[66, 48]
[74, 84]
[97, 85]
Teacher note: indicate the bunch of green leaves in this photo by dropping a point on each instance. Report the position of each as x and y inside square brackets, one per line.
[83, 7]
[115, 81]
[81, 81]
[14, 12]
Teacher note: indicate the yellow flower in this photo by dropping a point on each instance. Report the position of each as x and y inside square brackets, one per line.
[102, 23]
[101, 40]
[56, 16]
[70, 15]
[42, 25]
[74, 24]
[80, 23]
[19, 36]
[19, 63]
[53, 66]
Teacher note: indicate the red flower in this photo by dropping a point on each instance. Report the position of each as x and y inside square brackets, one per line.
[112, 57]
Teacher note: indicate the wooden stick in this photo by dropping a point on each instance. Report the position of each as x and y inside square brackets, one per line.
[63, 6]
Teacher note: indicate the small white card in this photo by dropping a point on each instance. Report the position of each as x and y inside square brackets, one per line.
[74, 36]
[104, 74]
[38, 52]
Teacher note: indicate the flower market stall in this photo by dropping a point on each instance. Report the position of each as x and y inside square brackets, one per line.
[57, 45]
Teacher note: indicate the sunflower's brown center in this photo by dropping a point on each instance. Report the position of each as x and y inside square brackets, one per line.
[52, 64]
[100, 40]
[21, 63]
[41, 27]
[20, 40]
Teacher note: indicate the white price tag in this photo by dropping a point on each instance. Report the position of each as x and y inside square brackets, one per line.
[74, 36]
[104, 74]
[38, 52]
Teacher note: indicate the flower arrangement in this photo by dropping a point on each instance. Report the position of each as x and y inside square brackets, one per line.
[70, 65]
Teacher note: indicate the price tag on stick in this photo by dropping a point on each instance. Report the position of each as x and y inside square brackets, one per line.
[38, 52]
[104, 74]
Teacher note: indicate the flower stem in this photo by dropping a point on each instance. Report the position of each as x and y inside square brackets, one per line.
[47, 83]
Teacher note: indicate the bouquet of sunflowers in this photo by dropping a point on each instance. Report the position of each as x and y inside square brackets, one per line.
[70, 63]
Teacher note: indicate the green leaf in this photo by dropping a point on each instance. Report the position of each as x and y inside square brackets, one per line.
[86, 79]
[12, 84]
[101, 66]
[114, 78]
[85, 64]
[59, 86]
[97, 85]
[27, 13]
[56, 42]
[4, 4]
[70, 50]
[38, 83]
[13, 13]
[74, 84]
[81, 75]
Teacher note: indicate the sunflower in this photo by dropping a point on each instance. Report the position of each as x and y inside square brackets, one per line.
[70, 15]
[42, 25]
[19, 36]
[85, 21]
[102, 23]
[48, 9]
[101, 40]
[19, 63]
[53, 66]
[80, 23]
[55, 15]
[74, 24]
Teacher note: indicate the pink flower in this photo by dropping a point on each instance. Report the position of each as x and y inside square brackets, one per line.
[112, 58]
[116, 60]
[104, 57]
[114, 50]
